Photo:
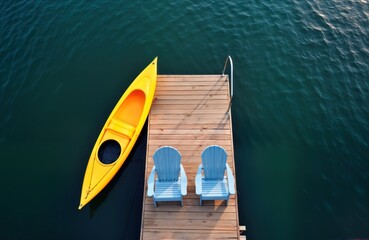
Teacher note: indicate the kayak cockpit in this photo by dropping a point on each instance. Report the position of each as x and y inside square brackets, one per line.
[130, 111]
[109, 151]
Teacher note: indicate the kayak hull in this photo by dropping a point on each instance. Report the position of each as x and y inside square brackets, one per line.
[119, 133]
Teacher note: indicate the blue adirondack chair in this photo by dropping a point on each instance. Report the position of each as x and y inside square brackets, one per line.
[171, 181]
[211, 183]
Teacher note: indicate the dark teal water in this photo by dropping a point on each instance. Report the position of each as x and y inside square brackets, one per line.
[300, 110]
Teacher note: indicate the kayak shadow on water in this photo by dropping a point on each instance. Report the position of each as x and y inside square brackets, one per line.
[138, 152]
[100, 198]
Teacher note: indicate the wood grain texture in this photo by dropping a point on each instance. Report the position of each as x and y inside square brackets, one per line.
[189, 113]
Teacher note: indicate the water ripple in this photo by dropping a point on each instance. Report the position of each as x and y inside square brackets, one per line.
[301, 88]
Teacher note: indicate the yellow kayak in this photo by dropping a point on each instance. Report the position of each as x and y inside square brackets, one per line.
[119, 133]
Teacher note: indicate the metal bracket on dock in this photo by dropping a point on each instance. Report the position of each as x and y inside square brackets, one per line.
[242, 230]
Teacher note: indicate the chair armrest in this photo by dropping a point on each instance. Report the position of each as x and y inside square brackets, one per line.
[198, 180]
[150, 183]
[183, 181]
[230, 179]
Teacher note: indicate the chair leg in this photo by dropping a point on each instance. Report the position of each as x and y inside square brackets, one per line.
[200, 201]
[155, 205]
[181, 202]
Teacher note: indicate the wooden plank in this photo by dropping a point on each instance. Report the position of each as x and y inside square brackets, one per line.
[185, 235]
[181, 148]
[193, 209]
[166, 131]
[194, 120]
[188, 126]
[189, 137]
[189, 215]
[163, 234]
[180, 91]
[190, 142]
[192, 97]
[195, 201]
[191, 83]
[188, 109]
[180, 102]
[188, 88]
[188, 106]
[196, 78]
[191, 112]
[191, 224]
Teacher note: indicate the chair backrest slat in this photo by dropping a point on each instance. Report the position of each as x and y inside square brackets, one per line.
[214, 159]
[167, 162]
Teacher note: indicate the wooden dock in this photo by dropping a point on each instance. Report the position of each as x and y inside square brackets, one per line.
[189, 113]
